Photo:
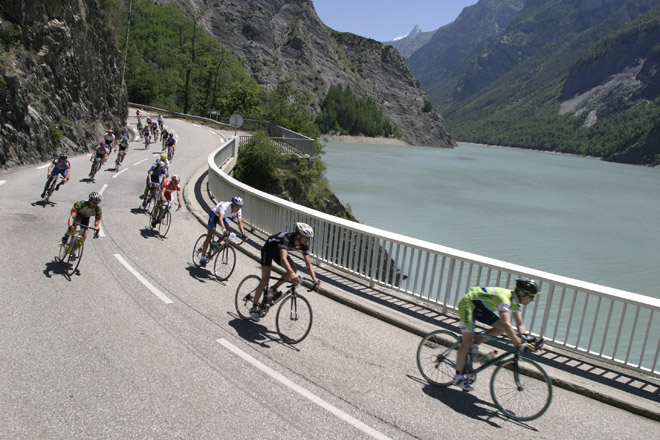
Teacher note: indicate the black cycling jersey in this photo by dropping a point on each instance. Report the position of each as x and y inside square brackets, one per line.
[284, 240]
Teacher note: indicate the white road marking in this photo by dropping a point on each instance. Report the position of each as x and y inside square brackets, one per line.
[101, 233]
[125, 169]
[103, 188]
[303, 392]
[136, 163]
[43, 166]
[144, 281]
[196, 125]
[212, 131]
[2, 182]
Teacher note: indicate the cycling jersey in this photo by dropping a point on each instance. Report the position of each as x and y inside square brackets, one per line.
[223, 208]
[83, 209]
[156, 173]
[61, 167]
[123, 145]
[101, 151]
[170, 141]
[481, 303]
[109, 138]
[168, 188]
[284, 240]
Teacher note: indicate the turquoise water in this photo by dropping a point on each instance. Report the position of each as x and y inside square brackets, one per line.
[577, 217]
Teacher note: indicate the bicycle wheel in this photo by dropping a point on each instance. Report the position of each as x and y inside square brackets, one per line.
[521, 390]
[74, 257]
[164, 225]
[151, 201]
[224, 263]
[197, 250]
[436, 357]
[63, 250]
[294, 319]
[245, 295]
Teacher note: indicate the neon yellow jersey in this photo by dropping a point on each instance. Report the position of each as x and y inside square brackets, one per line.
[495, 299]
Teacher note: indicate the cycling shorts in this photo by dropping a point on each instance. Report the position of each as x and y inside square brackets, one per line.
[214, 219]
[470, 311]
[272, 253]
[55, 171]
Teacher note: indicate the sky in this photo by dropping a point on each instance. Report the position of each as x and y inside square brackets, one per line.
[384, 20]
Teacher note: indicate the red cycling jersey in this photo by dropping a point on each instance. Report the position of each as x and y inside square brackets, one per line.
[168, 188]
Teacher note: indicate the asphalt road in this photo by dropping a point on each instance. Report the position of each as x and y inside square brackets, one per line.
[106, 355]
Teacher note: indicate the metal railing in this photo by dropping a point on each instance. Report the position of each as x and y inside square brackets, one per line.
[610, 324]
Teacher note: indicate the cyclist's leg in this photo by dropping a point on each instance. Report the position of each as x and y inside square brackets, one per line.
[283, 280]
[65, 174]
[213, 220]
[466, 316]
[48, 181]
[266, 264]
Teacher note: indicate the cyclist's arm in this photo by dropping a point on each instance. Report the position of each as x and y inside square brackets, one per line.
[290, 273]
[522, 330]
[97, 223]
[240, 227]
[178, 197]
[505, 317]
[310, 269]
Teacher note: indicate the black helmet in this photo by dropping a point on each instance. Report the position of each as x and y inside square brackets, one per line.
[527, 286]
[95, 197]
[63, 156]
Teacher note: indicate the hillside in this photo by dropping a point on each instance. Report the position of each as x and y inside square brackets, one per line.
[411, 42]
[565, 75]
[284, 40]
[60, 81]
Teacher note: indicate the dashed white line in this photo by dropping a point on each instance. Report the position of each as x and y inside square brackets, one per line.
[137, 163]
[303, 392]
[125, 169]
[144, 281]
[43, 166]
[2, 182]
[103, 188]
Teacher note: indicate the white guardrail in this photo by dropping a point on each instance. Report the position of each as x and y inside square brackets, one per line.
[607, 323]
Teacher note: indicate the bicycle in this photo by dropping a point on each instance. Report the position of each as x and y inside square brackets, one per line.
[164, 224]
[293, 320]
[72, 251]
[222, 251]
[170, 152]
[96, 165]
[51, 188]
[151, 198]
[519, 387]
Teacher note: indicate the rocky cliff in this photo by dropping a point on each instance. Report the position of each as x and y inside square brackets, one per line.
[60, 80]
[285, 39]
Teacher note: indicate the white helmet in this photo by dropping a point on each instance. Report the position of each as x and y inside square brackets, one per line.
[304, 229]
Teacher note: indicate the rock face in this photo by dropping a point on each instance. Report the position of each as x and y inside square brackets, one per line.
[285, 39]
[60, 80]
[411, 42]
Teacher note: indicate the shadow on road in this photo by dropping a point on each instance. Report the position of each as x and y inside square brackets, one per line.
[256, 332]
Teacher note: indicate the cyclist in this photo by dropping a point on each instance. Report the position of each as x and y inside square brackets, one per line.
[171, 142]
[62, 166]
[219, 215]
[138, 115]
[81, 212]
[123, 146]
[146, 135]
[163, 137]
[160, 122]
[163, 158]
[277, 248]
[155, 174]
[481, 304]
[167, 188]
[109, 139]
[101, 153]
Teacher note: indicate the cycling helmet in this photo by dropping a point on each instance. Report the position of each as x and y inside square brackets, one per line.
[237, 201]
[176, 179]
[125, 137]
[95, 197]
[163, 156]
[110, 130]
[160, 163]
[304, 229]
[103, 143]
[63, 157]
[527, 286]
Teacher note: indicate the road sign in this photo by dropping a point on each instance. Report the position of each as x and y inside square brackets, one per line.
[236, 121]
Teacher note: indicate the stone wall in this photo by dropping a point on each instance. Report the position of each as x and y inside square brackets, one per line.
[60, 78]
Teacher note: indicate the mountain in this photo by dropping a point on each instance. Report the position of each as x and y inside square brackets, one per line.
[572, 76]
[437, 65]
[282, 40]
[410, 42]
[60, 84]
